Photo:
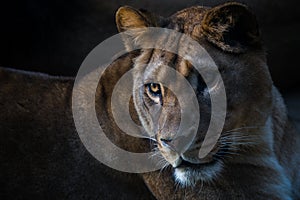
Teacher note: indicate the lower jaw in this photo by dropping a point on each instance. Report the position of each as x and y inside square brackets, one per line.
[189, 174]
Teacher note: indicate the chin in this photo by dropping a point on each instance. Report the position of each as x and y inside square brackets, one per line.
[188, 174]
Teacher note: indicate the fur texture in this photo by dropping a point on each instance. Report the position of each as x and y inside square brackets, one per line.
[40, 151]
[41, 155]
[246, 163]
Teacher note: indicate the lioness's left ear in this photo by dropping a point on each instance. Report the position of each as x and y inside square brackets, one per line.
[130, 18]
[231, 27]
[134, 22]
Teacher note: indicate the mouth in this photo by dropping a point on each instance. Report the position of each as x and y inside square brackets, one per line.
[188, 165]
[210, 159]
[198, 163]
[185, 164]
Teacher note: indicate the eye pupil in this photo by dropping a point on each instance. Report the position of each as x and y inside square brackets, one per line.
[154, 88]
[154, 92]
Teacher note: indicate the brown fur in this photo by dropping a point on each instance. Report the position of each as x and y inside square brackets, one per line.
[257, 169]
[40, 152]
[42, 156]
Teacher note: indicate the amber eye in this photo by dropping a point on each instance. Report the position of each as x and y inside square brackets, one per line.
[154, 88]
[154, 91]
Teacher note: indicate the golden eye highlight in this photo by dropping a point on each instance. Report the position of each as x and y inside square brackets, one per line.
[154, 88]
[154, 92]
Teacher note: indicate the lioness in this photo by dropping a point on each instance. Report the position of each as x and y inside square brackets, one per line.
[256, 156]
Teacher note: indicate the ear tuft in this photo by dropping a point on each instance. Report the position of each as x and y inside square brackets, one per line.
[231, 27]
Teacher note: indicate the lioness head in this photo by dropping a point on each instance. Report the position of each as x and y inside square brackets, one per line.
[230, 34]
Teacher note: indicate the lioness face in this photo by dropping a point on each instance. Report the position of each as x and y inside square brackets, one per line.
[229, 34]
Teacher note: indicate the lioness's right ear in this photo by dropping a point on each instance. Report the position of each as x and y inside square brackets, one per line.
[134, 22]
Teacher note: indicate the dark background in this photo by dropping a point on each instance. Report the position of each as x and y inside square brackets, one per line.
[54, 36]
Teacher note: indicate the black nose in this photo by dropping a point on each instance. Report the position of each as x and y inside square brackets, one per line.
[166, 142]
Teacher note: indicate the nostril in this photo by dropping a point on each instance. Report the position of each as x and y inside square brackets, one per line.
[168, 143]
[165, 142]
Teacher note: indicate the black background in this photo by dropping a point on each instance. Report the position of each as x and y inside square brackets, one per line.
[54, 36]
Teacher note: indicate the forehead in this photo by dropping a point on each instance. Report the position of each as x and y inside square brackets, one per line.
[159, 58]
[187, 21]
[161, 66]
